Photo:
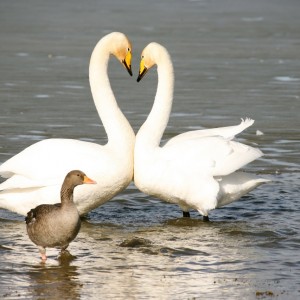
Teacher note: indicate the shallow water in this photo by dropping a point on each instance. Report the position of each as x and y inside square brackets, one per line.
[232, 59]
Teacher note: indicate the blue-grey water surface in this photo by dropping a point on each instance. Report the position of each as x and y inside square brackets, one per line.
[232, 59]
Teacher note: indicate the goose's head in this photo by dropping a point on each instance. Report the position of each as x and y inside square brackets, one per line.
[120, 47]
[77, 177]
[152, 54]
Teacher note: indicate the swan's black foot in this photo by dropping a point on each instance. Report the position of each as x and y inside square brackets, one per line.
[186, 214]
[205, 219]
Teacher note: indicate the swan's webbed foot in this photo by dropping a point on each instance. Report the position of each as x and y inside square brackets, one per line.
[186, 214]
[205, 219]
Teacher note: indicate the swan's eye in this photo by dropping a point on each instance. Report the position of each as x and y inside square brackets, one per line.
[128, 50]
[142, 57]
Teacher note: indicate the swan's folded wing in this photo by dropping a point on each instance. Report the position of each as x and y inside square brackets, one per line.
[48, 161]
[228, 132]
[197, 155]
[17, 181]
[39, 158]
[239, 157]
[214, 155]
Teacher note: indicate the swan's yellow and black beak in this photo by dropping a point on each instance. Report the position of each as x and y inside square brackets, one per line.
[143, 70]
[127, 62]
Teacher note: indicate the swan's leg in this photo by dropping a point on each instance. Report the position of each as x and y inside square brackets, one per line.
[186, 214]
[205, 218]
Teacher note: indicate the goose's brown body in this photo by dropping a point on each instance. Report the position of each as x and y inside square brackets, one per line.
[56, 225]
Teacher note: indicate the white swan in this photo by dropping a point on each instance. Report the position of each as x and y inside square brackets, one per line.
[197, 169]
[35, 175]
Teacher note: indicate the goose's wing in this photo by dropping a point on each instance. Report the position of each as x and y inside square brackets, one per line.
[228, 132]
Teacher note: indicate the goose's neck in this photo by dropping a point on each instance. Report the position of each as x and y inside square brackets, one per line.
[152, 130]
[66, 195]
[117, 127]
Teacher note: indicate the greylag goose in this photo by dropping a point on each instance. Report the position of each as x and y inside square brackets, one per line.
[56, 225]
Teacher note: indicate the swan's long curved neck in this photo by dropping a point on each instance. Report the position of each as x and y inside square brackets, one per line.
[116, 125]
[152, 130]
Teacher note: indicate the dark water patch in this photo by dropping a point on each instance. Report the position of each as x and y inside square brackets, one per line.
[131, 214]
[265, 233]
[189, 252]
[149, 251]
[288, 232]
[293, 264]
[136, 242]
[186, 222]
[146, 246]
[103, 239]
[166, 251]
[9, 217]
[250, 214]
[90, 221]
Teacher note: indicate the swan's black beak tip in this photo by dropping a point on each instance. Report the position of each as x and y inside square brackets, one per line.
[142, 74]
[129, 70]
[127, 67]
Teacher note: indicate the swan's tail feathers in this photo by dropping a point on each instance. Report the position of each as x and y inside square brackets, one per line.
[235, 130]
[236, 185]
[246, 123]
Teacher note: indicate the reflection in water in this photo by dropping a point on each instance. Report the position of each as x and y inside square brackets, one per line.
[22, 266]
[55, 282]
[184, 257]
[152, 260]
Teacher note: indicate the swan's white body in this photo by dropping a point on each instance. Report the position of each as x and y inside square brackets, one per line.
[35, 175]
[197, 169]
